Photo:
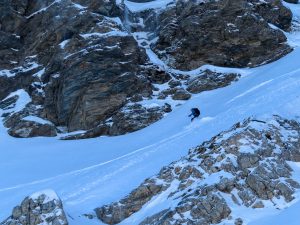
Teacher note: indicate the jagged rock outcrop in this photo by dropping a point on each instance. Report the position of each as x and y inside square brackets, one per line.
[19, 113]
[84, 63]
[132, 118]
[192, 34]
[209, 80]
[274, 12]
[40, 208]
[135, 117]
[26, 129]
[82, 97]
[247, 164]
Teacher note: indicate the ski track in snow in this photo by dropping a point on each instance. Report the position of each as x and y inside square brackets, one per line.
[77, 172]
[89, 173]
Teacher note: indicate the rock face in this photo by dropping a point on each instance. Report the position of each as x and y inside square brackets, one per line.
[193, 34]
[40, 208]
[26, 129]
[131, 118]
[82, 97]
[17, 110]
[210, 80]
[85, 63]
[247, 164]
[87, 67]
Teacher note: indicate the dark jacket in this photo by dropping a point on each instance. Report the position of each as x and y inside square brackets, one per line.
[195, 112]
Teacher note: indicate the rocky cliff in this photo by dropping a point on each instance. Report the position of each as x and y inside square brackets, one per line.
[248, 166]
[87, 65]
[223, 33]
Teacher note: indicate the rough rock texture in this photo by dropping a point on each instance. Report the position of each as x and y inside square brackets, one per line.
[84, 63]
[209, 80]
[249, 164]
[17, 108]
[86, 96]
[123, 209]
[39, 208]
[135, 117]
[274, 12]
[132, 118]
[192, 34]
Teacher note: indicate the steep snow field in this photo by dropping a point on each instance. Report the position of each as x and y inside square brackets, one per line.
[89, 173]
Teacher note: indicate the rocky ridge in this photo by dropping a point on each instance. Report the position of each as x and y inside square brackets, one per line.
[39, 208]
[249, 165]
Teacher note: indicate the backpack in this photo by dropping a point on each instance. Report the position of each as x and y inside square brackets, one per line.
[195, 111]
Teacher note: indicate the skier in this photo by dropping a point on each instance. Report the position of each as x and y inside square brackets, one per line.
[195, 113]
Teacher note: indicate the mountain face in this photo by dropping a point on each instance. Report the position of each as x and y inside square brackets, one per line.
[88, 65]
[79, 69]
[193, 35]
[249, 165]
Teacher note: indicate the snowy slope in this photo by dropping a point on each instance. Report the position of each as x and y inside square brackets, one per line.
[289, 216]
[93, 172]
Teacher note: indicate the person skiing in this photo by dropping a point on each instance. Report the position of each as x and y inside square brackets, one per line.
[195, 113]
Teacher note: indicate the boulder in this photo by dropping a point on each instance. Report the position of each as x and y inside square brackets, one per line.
[274, 12]
[43, 207]
[181, 94]
[135, 117]
[25, 129]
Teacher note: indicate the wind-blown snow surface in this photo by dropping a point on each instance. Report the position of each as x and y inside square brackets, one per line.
[89, 173]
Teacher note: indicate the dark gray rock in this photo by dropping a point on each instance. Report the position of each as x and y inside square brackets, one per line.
[81, 98]
[246, 160]
[174, 83]
[274, 12]
[292, 1]
[39, 208]
[22, 79]
[258, 205]
[193, 34]
[83, 68]
[89, 78]
[238, 221]
[25, 129]
[135, 117]
[115, 213]
[160, 218]
[131, 118]
[212, 209]
[181, 94]
[157, 75]
[209, 80]
[104, 7]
